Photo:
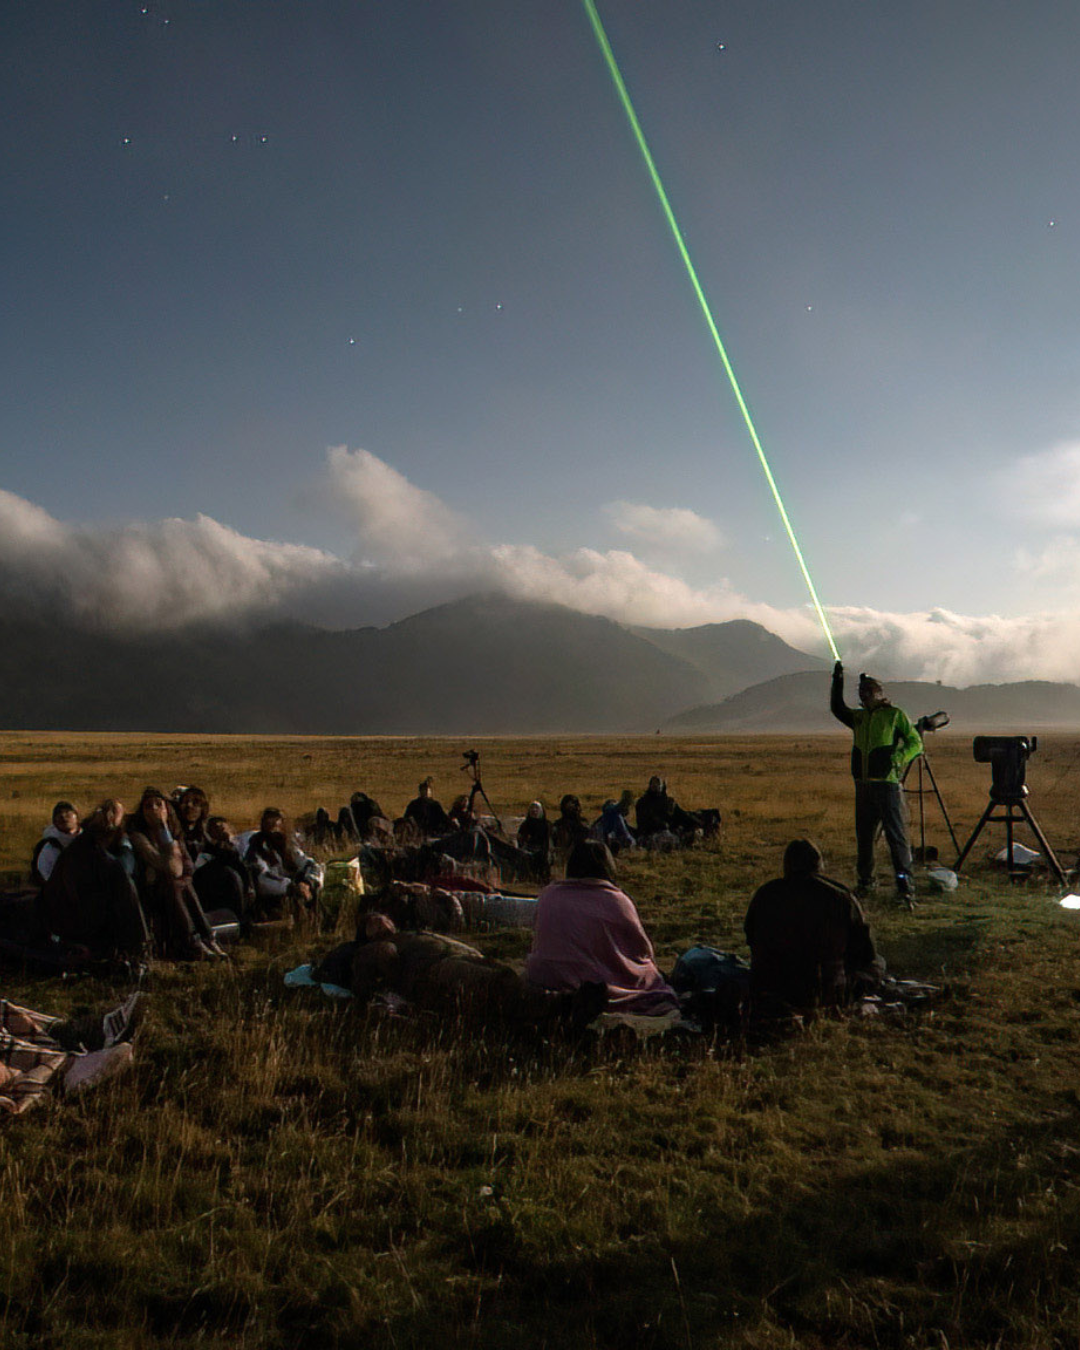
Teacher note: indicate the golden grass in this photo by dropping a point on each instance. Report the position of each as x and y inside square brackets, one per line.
[280, 1170]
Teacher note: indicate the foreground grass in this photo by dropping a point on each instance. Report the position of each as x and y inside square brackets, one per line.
[280, 1170]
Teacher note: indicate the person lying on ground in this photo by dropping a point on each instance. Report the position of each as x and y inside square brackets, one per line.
[193, 809]
[282, 872]
[810, 944]
[163, 876]
[570, 827]
[222, 879]
[442, 975]
[39, 1053]
[426, 813]
[57, 835]
[90, 898]
[587, 929]
[610, 828]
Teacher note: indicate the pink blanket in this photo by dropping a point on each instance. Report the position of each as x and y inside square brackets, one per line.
[589, 930]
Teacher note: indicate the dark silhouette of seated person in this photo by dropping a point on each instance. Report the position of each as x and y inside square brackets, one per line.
[427, 814]
[163, 876]
[570, 827]
[222, 879]
[534, 839]
[362, 818]
[461, 815]
[89, 898]
[657, 812]
[810, 944]
[442, 975]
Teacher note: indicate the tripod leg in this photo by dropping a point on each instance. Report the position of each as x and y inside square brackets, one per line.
[974, 835]
[940, 802]
[1047, 851]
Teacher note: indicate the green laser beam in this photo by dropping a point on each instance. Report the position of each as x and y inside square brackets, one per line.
[680, 244]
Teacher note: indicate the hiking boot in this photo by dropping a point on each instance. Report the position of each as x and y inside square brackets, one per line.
[905, 889]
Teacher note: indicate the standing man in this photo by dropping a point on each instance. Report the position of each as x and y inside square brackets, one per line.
[885, 744]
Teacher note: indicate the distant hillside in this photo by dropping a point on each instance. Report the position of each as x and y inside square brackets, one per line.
[482, 665]
[800, 703]
[732, 655]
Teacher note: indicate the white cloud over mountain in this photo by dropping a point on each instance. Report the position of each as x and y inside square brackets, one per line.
[413, 550]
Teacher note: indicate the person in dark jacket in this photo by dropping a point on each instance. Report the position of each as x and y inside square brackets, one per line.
[163, 875]
[58, 834]
[90, 898]
[222, 879]
[193, 808]
[884, 745]
[571, 826]
[426, 813]
[534, 839]
[809, 939]
[657, 812]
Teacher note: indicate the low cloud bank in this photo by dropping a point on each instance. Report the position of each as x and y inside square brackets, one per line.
[412, 551]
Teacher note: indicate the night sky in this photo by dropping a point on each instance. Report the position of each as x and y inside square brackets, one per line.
[353, 307]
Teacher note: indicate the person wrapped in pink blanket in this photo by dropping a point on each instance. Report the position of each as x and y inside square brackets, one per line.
[587, 930]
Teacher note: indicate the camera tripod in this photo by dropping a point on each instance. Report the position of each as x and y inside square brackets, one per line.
[924, 770]
[472, 767]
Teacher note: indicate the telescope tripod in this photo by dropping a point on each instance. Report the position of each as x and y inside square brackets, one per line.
[924, 769]
[1016, 812]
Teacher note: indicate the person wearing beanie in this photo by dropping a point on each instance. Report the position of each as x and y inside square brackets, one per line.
[809, 939]
[885, 743]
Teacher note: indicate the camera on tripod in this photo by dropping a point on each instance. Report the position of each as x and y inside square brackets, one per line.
[1007, 757]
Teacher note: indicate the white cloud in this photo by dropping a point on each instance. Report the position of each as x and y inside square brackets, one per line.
[672, 528]
[399, 526]
[158, 575]
[1044, 488]
[414, 551]
[1058, 561]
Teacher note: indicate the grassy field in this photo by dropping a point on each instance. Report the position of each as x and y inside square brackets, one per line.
[280, 1170]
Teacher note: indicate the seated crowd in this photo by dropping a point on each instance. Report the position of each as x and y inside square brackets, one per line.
[157, 881]
[809, 940]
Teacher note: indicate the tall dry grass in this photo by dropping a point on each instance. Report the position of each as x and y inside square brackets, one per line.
[282, 1170]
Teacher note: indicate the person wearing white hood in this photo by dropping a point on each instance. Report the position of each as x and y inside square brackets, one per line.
[54, 839]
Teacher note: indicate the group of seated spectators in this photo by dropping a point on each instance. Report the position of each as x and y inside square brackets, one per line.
[538, 842]
[809, 941]
[154, 880]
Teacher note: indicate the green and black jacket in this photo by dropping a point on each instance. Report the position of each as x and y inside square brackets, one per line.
[885, 740]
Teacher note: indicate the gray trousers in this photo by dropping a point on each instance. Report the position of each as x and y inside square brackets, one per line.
[880, 805]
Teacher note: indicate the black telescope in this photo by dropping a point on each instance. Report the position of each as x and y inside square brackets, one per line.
[1007, 757]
